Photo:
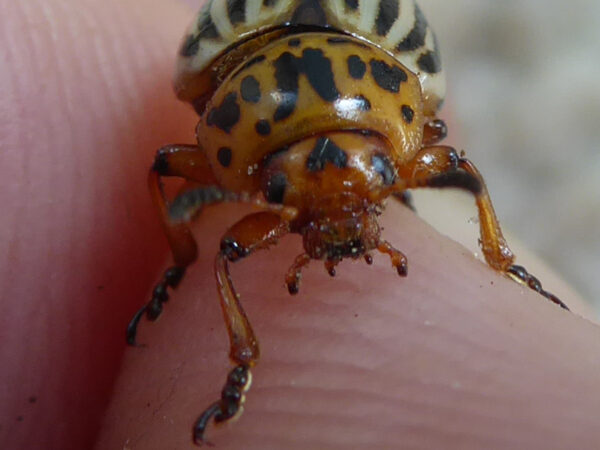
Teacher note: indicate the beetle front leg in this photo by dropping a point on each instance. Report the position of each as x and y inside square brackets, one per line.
[188, 162]
[253, 232]
[436, 161]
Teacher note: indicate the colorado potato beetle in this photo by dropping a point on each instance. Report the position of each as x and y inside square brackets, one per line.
[317, 111]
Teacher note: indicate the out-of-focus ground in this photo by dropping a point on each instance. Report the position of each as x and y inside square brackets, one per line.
[524, 92]
[524, 96]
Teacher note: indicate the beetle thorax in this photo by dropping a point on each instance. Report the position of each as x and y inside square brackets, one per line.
[336, 181]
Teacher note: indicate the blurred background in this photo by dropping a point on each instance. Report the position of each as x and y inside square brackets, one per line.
[524, 94]
[524, 103]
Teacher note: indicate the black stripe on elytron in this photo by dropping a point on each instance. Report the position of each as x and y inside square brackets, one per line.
[383, 166]
[190, 46]
[351, 4]
[250, 89]
[276, 187]
[236, 10]
[226, 115]
[309, 12]
[224, 156]
[206, 30]
[387, 15]
[430, 62]
[408, 114]
[325, 151]
[387, 77]
[416, 37]
[356, 67]
[317, 69]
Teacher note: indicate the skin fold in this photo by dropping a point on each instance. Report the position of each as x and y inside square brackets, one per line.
[453, 356]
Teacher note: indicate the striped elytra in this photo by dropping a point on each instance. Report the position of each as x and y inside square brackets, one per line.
[226, 32]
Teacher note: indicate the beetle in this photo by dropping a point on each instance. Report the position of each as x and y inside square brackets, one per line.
[317, 111]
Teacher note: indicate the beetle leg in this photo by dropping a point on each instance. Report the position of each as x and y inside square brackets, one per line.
[434, 131]
[441, 166]
[406, 199]
[294, 274]
[188, 162]
[253, 232]
[398, 258]
[330, 266]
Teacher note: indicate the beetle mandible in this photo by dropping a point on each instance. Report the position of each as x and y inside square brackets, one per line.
[317, 111]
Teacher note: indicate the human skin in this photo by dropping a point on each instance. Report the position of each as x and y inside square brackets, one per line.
[453, 356]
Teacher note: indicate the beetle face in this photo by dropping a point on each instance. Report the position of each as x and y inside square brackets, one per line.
[341, 234]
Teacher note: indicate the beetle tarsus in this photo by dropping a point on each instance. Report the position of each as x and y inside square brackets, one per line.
[520, 274]
[132, 327]
[230, 404]
[171, 278]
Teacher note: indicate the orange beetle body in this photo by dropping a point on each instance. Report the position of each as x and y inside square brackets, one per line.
[317, 111]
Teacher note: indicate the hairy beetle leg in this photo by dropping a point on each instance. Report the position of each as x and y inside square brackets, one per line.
[253, 232]
[435, 162]
[190, 163]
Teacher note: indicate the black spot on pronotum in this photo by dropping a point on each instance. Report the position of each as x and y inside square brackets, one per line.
[250, 89]
[383, 166]
[317, 69]
[325, 151]
[236, 10]
[408, 114]
[430, 62]
[356, 67]
[269, 3]
[386, 16]
[387, 77]
[224, 156]
[320, 74]
[226, 115]
[286, 75]
[276, 188]
[416, 37]
[294, 42]
[263, 127]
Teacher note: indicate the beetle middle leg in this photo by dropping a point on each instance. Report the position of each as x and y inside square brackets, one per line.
[188, 162]
[435, 161]
[253, 232]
